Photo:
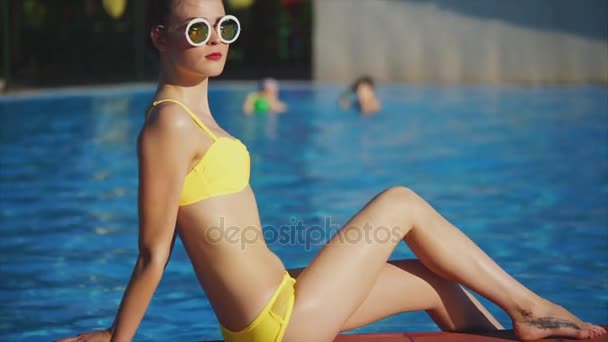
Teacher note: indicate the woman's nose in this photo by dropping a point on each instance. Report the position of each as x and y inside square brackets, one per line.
[215, 38]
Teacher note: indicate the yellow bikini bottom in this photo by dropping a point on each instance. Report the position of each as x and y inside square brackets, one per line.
[271, 323]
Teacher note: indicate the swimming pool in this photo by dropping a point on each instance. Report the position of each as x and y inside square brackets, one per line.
[522, 170]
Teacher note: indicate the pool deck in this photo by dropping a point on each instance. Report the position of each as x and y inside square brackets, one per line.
[506, 335]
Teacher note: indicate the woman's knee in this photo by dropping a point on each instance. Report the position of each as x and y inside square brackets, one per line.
[399, 193]
[398, 198]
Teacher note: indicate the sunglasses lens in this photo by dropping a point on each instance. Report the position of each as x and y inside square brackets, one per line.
[229, 30]
[198, 32]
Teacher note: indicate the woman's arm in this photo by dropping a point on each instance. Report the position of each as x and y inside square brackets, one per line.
[345, 99]
[164, 154]
[163, 164]
[248, 104]
[279, 107]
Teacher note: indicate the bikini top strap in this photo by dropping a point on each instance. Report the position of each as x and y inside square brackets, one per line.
[192, 115]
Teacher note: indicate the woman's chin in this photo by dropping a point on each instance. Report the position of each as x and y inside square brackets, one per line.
[215, 71]
[215, 74]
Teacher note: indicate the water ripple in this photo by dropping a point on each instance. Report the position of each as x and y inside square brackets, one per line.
[523, 171]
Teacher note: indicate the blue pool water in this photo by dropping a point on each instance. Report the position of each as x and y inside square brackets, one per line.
[523, 171]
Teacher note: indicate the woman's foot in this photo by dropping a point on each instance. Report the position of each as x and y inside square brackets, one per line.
[548, 319]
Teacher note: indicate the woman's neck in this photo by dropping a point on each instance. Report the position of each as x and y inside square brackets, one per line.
[192, 94]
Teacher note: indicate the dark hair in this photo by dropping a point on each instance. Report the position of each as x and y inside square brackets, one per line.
[157, 12]
[362, 80]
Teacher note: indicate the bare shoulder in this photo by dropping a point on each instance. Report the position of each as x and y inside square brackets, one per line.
[166, 125]
[167, 117]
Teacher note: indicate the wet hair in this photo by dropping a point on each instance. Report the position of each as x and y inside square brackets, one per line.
[362, 80]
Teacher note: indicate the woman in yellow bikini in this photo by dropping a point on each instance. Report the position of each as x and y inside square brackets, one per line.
[194, 177]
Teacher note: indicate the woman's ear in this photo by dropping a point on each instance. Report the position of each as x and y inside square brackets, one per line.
[158, 37]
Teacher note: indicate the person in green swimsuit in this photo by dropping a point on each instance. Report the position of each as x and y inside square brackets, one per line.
[266, 100]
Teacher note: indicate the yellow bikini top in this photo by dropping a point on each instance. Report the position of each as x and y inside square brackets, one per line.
[224, 169]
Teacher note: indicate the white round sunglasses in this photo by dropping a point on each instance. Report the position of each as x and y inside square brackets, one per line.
[198, 30]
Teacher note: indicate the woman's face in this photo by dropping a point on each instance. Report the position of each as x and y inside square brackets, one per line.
[207, 60]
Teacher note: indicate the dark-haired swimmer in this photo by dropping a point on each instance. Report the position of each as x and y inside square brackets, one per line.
[194, 176]
[362, 95]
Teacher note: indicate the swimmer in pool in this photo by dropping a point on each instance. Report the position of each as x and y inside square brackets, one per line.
[266, 100]
[361, 95]
[194, 177]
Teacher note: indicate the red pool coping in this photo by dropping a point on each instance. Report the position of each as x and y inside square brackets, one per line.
[503, 335]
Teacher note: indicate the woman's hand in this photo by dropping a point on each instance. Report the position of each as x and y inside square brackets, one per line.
[97, 336]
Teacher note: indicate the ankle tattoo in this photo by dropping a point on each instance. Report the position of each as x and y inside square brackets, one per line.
[548, 322]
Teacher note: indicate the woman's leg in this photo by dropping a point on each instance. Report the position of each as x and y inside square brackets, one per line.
[336, 284]
[407, 285]
[450, 306]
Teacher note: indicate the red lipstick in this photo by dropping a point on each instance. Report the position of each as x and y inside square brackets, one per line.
[216, 56]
